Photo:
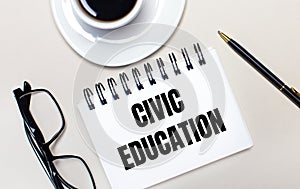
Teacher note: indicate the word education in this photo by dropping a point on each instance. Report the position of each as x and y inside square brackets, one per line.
[172, 139]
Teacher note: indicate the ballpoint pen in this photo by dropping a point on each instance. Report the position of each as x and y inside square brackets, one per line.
[289, 92]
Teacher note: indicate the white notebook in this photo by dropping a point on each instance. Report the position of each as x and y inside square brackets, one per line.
[162, 118]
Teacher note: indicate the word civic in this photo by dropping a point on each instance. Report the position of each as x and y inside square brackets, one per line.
[142, 112]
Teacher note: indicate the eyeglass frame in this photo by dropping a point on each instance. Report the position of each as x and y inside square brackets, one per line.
[37, 141]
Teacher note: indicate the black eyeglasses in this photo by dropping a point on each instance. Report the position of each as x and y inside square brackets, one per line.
[41, 134]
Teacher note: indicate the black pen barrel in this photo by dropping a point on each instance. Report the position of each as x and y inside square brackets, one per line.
[288, 92]
[256, 64]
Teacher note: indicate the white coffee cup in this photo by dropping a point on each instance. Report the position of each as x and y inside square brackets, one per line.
[83, 16]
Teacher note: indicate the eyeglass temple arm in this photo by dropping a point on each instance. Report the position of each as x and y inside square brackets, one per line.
[24, 105]
[43, 162]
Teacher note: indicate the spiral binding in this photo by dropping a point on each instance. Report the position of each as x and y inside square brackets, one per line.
[187, 59]
[199, 53]
[111, 82]
[174, 63]
[87, 95]
[148, 69]
[100, 94]
[136, 74]
[162, 70]
[123, 77]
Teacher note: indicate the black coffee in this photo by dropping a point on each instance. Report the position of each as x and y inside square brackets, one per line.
[107, 10]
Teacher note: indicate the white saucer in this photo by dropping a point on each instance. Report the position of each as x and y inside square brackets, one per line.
[127, 44]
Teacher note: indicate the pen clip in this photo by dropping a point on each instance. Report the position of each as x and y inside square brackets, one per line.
[295, 91]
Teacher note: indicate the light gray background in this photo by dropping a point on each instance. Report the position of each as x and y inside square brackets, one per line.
[32, 48]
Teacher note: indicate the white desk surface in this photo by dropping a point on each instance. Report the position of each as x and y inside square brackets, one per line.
[32, 49]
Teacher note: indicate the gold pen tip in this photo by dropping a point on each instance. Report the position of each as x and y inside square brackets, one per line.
[224, 37]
